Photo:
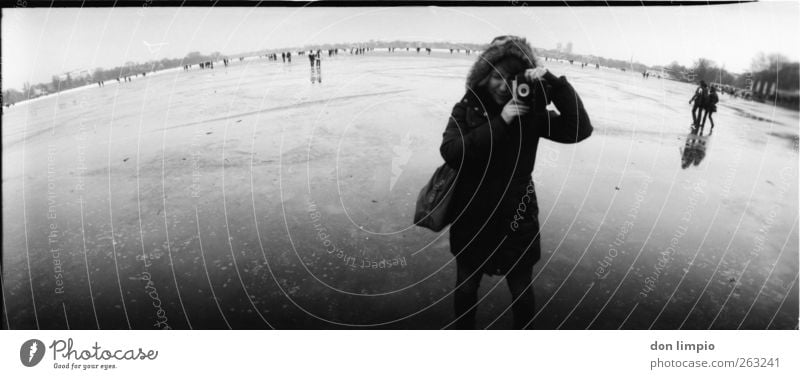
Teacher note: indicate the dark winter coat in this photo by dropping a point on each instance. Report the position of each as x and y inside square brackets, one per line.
[496, 212]
[713, 99]
[700, 97]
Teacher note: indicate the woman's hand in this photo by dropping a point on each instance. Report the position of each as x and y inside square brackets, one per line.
[514, 108]
[533, 74]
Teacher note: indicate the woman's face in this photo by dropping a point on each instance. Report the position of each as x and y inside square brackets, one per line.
[499, 86]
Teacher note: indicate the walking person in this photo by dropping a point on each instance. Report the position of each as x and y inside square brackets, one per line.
[318, 63]
[711, 107]
[699, 100]
[311, 61]
[311, 58]
[491, 139]
[314, 60]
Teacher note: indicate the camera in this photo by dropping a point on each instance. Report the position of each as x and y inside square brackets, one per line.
[536, 94]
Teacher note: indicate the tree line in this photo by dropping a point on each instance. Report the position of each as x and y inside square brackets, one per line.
[60, 83]
[764, 67]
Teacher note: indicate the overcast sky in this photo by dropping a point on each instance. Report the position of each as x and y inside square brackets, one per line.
[38, 43]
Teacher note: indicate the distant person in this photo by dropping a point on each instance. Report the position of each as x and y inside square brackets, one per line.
[699, 99]
[314, 59]
[491, 139]
[319, 68]
[283, 56]
[711, 107]
[289, 56]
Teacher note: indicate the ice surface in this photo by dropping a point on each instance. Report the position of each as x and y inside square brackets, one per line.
[250, 197]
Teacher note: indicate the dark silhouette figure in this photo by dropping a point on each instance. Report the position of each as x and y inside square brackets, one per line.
[314, 60]
[311, 59]
[699, 99]
[711, 107]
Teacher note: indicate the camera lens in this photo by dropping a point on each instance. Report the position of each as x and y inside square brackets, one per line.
[523, 90]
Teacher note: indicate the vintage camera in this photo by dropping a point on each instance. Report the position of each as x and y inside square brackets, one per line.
[536, 93]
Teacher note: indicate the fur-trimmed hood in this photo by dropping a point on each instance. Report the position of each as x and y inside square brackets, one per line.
[501, 47]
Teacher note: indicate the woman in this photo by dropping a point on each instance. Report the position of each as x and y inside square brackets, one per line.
[491, 140]
[711, 107]
[699, 99]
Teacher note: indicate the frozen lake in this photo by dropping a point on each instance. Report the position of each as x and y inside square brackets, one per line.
[249, 197]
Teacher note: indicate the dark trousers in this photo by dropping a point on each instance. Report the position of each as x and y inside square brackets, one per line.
[468, 280]
[697, 112]
[711, 119]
